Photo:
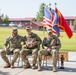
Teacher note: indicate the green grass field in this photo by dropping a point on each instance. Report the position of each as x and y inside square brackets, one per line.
[67, 44]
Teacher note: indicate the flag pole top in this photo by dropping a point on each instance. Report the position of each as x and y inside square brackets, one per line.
[55, 4]
[50, 6]
[43, 4]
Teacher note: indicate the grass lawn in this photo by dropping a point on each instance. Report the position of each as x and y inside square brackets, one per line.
[67, 44]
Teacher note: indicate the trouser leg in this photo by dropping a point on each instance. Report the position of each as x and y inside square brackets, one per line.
[34, 56]
[16, 55]
[5, 58]
[40, 53]
[23, 55]
[54, 58]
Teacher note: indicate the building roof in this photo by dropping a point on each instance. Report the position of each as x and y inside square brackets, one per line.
[20, 19]
[29, 18]
[35, 23]
[38, 23]
[70, 17]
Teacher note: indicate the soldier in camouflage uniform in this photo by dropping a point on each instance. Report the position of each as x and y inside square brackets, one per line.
[51, 45]
[12, 45]
[32, 45]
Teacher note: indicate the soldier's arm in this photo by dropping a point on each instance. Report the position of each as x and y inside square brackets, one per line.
[23, 39]
[44, 45]
[6, 43]
[58, 43]
[24, 42]
[38, 40]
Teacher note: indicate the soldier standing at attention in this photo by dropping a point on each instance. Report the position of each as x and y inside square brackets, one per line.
[12, 45]
[32, 45]
[51, 45]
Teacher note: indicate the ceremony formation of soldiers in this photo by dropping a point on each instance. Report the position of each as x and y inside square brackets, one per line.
[30, 44]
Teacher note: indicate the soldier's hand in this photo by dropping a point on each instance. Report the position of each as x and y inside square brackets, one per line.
[53, 47]
[49, 50]
[28, 45]
[34, 44]
[5, 49]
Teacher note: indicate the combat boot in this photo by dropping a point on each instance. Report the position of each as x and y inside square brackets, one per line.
[54, 68]
[12, 65]
[39, 67]
[7, 65]
[26, 66]
[33, 67]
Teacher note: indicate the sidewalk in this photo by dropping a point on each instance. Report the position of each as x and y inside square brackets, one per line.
[70, 68]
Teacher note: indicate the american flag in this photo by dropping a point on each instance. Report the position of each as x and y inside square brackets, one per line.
[47, 20]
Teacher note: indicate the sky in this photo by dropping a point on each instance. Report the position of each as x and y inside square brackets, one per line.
[29, 8]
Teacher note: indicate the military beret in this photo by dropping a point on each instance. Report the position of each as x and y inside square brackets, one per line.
[28, 27]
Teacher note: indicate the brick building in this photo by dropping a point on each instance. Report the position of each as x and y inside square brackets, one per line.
[35, 25]
[70, 21]
[21, 20]
[38, 25]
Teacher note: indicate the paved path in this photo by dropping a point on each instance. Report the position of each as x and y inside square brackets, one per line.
[70, 68]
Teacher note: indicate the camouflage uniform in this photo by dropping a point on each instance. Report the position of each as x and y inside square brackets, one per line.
[48, 42]
[34, 38]
[12, 44]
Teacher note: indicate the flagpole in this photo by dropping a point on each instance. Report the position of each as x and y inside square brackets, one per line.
[50, 6]
[58, 52]
[55, 4]
[43, 17]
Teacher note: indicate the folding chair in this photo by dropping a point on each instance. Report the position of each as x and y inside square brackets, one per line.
[30, 58]
[19, 59]
[10, 55]
[45, 60]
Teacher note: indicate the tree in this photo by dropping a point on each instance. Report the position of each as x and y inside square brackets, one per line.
[39, 16]
[2, 16]
[5, 20]
[75, 25]
[75, 22]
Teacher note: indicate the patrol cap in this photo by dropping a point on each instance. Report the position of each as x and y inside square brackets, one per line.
[14, 29]
[49, 30]
[28, 27]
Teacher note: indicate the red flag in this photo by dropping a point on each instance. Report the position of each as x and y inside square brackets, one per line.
[63, 24]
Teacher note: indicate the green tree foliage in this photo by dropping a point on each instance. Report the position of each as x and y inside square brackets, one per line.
[75, 22]
[2, 16]
[5, 20]
[39, 16]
